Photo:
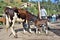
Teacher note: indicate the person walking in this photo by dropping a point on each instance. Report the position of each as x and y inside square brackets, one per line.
[53, 18]
[43, 13]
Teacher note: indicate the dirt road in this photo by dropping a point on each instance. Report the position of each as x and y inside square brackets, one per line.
[54, 33]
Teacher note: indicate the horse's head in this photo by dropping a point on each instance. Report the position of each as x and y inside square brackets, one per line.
[6, 8]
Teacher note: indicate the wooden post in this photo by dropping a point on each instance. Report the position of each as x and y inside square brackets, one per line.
[39, 10]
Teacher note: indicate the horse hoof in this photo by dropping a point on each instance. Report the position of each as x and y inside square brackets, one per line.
[39, 32]
[36, 32]
[24, 31]
[6, 30]
[16, 36]
[31, 32]
[46, 31]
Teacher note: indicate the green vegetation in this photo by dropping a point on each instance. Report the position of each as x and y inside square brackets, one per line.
[50, 7]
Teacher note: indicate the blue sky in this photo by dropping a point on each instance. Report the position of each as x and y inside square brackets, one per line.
[41, 0]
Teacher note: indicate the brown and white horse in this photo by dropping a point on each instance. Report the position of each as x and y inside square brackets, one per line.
[11, 17]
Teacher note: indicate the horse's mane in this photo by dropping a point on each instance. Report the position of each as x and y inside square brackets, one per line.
[28, 12]
[31, 13]
[16, 10]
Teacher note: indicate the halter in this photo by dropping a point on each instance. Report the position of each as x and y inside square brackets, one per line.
[9, 6]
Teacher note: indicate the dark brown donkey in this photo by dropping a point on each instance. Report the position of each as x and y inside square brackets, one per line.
[42, 24]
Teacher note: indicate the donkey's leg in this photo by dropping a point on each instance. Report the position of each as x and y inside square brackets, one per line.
[43, 27]
[40, 29]
[46, 31]
[29, 27]
[36, 30]
[48, 24]
[7, 23]
[46, 28]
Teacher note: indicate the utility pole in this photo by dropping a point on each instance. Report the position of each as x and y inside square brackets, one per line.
[39, 10]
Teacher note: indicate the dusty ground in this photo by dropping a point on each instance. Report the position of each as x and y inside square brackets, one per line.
[54, 33]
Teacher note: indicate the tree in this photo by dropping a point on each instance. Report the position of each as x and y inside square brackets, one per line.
[39, 10]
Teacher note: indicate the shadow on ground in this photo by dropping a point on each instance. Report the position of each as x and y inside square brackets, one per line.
[56, 31]
[21, 29]
[0, 29]
[58, 25]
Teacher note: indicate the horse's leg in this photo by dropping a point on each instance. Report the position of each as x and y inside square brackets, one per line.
[29, 27]
[24, 25]
[12, 29]
[7, 23]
